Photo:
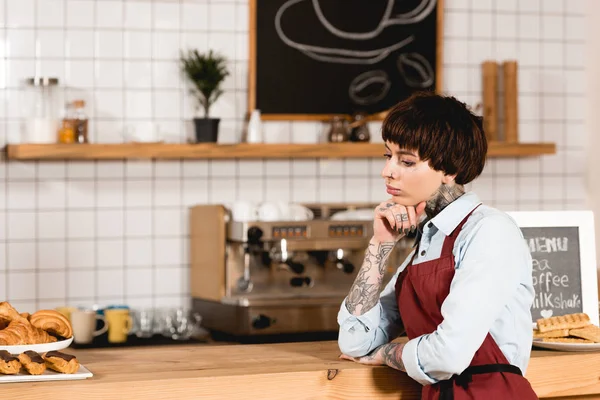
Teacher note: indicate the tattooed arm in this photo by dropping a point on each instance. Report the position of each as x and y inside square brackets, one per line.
[388, 354]
[364, 293]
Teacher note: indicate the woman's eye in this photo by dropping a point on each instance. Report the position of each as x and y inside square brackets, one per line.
[408, 163]
[388, 156]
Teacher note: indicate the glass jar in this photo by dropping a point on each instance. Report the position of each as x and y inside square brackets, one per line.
[67, 130]
[338, 132]
[78, 120]
[41, 111]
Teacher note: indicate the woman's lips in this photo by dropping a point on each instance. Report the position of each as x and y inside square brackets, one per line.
[393, 191]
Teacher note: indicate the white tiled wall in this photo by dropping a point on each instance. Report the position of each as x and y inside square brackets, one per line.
[107, 232]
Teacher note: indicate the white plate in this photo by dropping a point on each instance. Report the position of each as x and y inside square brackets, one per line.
[567, 346]
[39, 348]
[48, 375]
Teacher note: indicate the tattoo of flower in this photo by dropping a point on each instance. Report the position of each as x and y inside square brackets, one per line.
[364, 292]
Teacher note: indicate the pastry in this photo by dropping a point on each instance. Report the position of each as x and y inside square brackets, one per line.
[590, 332]
[551, 334]
[18, 332]
[9, 364]
[8, 312]
[569, 321]
[566, 340]
[52, 322]
[61, 362]
[33, 363]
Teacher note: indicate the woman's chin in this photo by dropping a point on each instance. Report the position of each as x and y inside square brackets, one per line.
[403, 201]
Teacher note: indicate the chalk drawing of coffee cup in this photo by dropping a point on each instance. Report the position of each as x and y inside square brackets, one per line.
[349, 55]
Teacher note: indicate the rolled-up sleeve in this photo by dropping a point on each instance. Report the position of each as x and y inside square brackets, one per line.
[359, 335]
[490, 263]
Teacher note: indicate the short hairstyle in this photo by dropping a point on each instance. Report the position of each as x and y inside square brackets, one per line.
[442, 130]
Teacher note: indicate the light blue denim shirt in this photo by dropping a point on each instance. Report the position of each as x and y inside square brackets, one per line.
[491, 292]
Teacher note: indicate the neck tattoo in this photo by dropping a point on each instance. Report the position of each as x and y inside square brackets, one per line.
[445, 195]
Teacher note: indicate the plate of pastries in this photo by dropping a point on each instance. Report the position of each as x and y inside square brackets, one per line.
[30, 347]
[570, 332]
[42, 331]
[33, 366]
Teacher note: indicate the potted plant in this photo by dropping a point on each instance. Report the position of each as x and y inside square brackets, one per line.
[206, 71]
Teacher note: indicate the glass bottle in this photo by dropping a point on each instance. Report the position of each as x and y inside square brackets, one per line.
[66, 134]
[80, 122]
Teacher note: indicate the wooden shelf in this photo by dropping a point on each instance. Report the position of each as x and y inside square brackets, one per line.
[163, 151]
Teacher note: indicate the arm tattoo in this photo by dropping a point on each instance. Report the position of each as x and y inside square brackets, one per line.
[392, 355]
[364, 293]
[444, 195]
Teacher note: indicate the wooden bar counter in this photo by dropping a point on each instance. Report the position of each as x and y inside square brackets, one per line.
[290, 371]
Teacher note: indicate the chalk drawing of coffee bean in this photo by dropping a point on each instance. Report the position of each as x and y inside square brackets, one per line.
[415, 70]
[369, 87]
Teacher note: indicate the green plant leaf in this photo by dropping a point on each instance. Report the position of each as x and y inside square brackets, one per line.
[206, 71]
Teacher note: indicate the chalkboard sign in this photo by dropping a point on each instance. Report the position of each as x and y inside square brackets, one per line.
[312, 59]
[556, 270]
[564, 262]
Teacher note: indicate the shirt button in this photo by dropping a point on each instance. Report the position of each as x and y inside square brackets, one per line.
[423, 252]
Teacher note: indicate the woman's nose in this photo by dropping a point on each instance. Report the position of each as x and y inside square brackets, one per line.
[385, 172]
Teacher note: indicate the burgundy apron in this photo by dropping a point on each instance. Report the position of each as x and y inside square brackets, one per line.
[421, 289]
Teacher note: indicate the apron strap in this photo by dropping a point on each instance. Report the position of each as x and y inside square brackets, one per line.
[463, 380]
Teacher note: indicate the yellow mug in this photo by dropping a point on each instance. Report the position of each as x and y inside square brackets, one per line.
[66, 311]
[119, 324]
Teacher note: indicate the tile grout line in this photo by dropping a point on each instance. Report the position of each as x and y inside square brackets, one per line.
[153, 163]
[123, 262]
[6, 181]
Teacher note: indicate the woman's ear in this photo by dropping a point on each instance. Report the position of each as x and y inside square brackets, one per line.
[448, 179]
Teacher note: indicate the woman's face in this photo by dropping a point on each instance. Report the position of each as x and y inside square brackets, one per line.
[408, 179]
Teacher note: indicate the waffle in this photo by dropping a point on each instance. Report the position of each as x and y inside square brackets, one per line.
[590, 332]
[566, 340]
[551, 334]
[569, 321]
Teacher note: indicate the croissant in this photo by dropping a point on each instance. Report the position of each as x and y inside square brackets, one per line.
[7, 312]
[52, 322]
[19, 332]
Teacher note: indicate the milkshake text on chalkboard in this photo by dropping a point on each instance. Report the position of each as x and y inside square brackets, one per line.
[556, 270]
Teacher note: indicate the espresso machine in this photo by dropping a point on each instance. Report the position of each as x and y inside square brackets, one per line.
[276, 277]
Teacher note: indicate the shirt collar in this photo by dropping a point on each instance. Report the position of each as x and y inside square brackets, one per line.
[449, 218]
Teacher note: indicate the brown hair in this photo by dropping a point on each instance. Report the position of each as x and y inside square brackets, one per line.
[442, 130]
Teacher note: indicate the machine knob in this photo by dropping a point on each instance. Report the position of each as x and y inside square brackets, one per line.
[348, 267]
[254, 234]
[298, 268]
[262, 322]
[300, 281]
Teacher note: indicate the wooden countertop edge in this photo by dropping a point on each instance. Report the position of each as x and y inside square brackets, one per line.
[301, 370]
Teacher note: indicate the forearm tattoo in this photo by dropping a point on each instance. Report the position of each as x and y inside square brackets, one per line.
[445, 195]
[392, 355]
[364, 292]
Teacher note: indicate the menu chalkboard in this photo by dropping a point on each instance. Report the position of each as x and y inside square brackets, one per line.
[556, 270]
[312, 59]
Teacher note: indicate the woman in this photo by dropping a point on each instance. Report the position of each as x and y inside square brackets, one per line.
[464, 295]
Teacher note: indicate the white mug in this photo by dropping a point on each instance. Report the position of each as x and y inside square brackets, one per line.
[84, 325]
[244, 211]
[297, 212]
[271, 211]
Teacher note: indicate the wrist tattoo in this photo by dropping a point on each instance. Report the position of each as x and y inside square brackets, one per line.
[364, 292]
[392, 355]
